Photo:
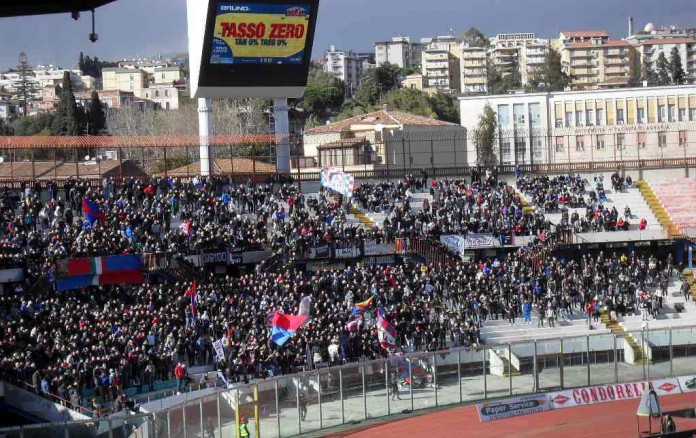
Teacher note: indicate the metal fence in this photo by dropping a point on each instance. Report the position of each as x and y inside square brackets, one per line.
[253, 156]
[292, 405]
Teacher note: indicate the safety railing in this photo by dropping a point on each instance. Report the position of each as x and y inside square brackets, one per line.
[325, 397]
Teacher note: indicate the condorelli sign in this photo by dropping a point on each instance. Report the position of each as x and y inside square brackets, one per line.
[608, 393]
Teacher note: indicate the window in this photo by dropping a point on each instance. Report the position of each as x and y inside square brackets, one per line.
[693, 114]
[560, 145]
[156, 93]
[620, 141]
[682, 114]
[600, 142]
[506, 147]
[535, 114]
[520, 150]
[662, 139]
[166, 93]
[569, 119]
[682, 138]
[504, 116]
[641, 115]
[590, 117]
[518, 111]
[559, 123]
[600, 117]
[620, 116]
[661, 113]
[579, 118]
[132, 77]
[579, 144]
[538, 149]
[641, 140]
[672, 113]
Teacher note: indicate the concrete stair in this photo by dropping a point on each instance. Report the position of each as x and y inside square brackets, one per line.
[619, 331]
[362, 217]
[657, 208]
[500, 331]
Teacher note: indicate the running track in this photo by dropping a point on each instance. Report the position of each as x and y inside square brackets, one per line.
[607, 420]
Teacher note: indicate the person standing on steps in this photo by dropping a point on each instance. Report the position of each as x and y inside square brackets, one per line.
[394, 386]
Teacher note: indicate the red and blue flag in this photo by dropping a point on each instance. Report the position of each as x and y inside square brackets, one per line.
[285, 326]
[92, 212]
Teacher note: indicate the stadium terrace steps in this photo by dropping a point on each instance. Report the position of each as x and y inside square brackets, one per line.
[500, 331]
[670, 202]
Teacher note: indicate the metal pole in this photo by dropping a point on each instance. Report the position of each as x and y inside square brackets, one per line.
[277, 404]
[510, 366]
[560, 365]
[642, 343]
[219, 421]
[340, 389]
[364, 390]
[282, 131]
[169, 425]
[459, 373]
[297, 399]
[485, 376]
[616, 362]
[536, 370]
[435, 377]
[257, 421]
[671, 354]
[200, 411]
[588, 361]
[183, 417]
[386, 385]
[205, 118]
[410, 385]
[321, 416]
[645, 350]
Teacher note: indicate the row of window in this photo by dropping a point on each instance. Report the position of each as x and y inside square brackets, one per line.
[665, 113]
[620, 141]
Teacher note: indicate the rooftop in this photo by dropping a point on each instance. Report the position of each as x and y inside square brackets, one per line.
[225, 165]
[659, 41]
[381, 117]
[585, 33]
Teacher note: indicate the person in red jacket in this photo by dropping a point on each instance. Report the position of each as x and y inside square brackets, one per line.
[180, 374]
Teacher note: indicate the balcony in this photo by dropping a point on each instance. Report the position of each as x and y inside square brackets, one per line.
[576, 55]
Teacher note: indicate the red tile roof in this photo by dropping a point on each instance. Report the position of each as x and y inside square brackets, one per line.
[345, 143]
[224, 166]
[585, 33]
[590, 44]
[381, 117]
[62, 142]
[659, 41]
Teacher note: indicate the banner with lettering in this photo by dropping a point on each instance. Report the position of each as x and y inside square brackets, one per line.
[338, 181]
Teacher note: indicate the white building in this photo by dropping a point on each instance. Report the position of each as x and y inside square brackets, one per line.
[346, 66]
[399, 51]
[165, 96]
[589, 126]
[522, 49]
[474, 70]
[651, 49]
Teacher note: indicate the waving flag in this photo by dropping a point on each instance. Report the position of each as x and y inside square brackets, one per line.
[385, 331]
[362, 306]
[305, 309]
[284, 326]
[94, 271]
[186, 228]
[354, 324]
[92, 212]
[192, 293]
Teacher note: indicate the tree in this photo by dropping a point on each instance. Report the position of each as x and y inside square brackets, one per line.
[551, 76]
[647, 73]
[411, 101]
[93, 66]
[676, 71]
[662, 70]
[377, 82]
[69, 118]
[485, 138]
[445, 107]
[474, 38]
[494, 78]
[96, 119]
[635, 77]
[26, 88]
[40, 124]
[323, 96]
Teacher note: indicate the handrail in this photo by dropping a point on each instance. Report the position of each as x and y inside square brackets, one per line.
[67, 403]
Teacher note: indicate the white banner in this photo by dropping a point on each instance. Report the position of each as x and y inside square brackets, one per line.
[608, 393]
[478, 241]
[513, 407]
[219, 351]
[371, 247]
[339, 181]
[687, 383]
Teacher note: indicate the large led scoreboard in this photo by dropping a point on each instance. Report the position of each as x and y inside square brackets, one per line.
[253, 48]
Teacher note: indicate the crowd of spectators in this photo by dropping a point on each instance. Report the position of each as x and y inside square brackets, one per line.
[101, 340]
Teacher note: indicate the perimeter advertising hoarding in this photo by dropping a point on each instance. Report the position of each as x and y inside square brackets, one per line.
[251, 48]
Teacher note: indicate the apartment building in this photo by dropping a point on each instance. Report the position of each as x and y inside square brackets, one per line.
[473, 70]
[650, 49]
[532, 56]
[167, 75]
[399, 51]
[598, 63]
[518, 50]
[124, 79]
[440, 64]
[589, 126]
[581, 36]
[346, 66]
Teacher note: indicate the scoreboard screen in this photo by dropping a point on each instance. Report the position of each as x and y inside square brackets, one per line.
[252, 48]
[261, 33]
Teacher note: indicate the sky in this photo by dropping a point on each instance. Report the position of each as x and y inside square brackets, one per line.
[139, 28]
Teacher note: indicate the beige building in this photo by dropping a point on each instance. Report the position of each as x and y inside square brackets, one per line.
[589, 126]
[124, 79]
[440, 64]
[414, 82]
[167, 75]
[598, 63]
[473, 70]
[165, 96]
[385, 139]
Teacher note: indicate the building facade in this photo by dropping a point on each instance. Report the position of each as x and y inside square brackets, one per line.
[650, 49]
[473, 69]
[399, 51]
[440, 64]
[598, 63]
[346, 66]
[124, 79]
[589, 126]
